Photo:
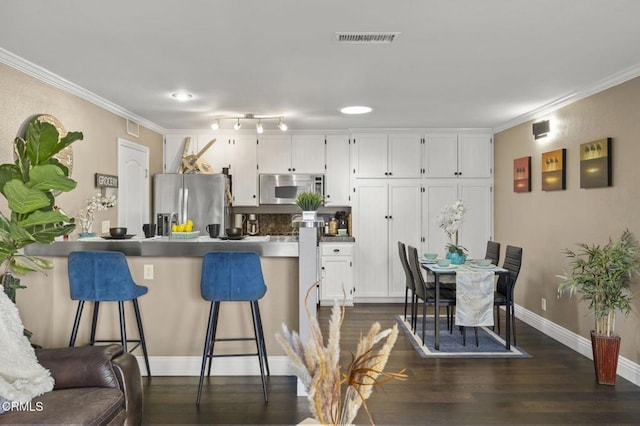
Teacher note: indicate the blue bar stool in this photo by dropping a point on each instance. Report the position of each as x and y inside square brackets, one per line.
[104, 276]
[232, 277]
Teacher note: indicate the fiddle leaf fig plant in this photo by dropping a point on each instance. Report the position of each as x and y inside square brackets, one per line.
[27, 185]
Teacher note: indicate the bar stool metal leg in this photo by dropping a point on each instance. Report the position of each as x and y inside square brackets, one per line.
[216, 313]
[260, 347]
[94, 323]
[264, 347]
[136, 309]
[123, 326]
[208, 342]
[76, 323]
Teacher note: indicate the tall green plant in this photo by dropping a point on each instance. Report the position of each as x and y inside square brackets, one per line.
[603, 275]
[309, 201]
[27, 184]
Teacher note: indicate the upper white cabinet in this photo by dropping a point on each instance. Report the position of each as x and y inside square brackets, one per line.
[286, 154]
[336, 180]
[244, 173]
[462, 155]
[378, 155]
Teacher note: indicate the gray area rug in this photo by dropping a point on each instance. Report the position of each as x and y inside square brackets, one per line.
[490, 344]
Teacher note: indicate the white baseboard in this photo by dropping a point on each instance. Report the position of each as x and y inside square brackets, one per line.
[626, 368]
[190, 366]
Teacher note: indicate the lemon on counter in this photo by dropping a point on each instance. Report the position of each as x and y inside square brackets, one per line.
[188, 227]
[174, 228]
[181, 227]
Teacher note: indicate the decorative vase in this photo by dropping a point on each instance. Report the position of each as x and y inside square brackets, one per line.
[309, 215]
[456, 259]
[605, 357]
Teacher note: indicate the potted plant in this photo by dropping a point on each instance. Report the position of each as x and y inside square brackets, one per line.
[449, 220]
[603, 275]
[27, 184]
[309, 202]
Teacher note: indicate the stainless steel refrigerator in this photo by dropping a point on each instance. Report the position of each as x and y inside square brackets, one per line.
[199, 197]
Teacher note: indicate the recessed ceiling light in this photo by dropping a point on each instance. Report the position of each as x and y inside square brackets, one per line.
[181, 96]
[355, 110]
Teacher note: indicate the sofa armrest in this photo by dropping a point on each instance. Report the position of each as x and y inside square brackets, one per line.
[86, 366]
[128, 374]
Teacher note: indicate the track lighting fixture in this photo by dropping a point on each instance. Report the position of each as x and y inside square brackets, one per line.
[259, 128]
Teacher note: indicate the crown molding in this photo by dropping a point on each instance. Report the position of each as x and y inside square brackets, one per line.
[606, 83]
[55, 80]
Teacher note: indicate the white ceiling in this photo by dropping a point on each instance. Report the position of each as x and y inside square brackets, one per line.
[457, 63]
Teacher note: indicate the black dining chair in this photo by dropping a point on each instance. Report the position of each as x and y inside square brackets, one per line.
[426, 292]
[512, 262]
[410, 285]
[493, 252]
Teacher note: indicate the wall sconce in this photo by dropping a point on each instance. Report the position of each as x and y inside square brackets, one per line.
[540, 129]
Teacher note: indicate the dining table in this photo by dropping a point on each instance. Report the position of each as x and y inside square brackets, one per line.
[440, 271]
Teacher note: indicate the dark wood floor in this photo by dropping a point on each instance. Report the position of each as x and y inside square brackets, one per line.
[556, 386]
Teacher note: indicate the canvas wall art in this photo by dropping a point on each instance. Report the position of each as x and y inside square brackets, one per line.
[595, 164]
[522, 174]
[554, 170]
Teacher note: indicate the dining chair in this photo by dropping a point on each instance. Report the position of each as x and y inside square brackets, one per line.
[426, 292]
[493, 252]
[506, 285]
[410, 288]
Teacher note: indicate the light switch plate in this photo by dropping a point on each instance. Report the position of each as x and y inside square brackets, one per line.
[148, 272]
[106, 224]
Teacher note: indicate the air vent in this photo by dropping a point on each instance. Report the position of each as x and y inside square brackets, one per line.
[366, 38]
[133, 128]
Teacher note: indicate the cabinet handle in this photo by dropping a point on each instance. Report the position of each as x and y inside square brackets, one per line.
[390, 217]
[254, 195]
[336, 250]
[328, 196]
[293, 169]
[289, 169]
[390, 174]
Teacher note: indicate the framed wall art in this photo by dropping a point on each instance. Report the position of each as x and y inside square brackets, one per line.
[522, 174]
[554, 170]
[595, 164]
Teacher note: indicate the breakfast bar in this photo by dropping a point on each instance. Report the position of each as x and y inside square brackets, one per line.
[173, 312]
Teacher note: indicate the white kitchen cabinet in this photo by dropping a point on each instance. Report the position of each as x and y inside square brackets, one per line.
[384, 212]
[336, 273]
[336, 178]
[244, 174]
[459, 155]
[381, 155]
[285, 154]
[477, 226]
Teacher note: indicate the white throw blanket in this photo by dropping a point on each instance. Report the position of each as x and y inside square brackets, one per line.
[21, 376]
[474, 298]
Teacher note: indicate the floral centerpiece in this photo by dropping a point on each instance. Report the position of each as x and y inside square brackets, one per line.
[450, 219]
[318, 367]
[97, 202]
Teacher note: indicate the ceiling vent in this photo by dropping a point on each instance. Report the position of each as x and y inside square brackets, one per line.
[366, 38]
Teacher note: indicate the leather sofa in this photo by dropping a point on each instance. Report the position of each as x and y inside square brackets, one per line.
[94, 385]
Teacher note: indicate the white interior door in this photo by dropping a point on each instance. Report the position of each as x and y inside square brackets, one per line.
[133, 188]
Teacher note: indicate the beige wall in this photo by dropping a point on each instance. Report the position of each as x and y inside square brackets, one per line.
[23, 97]
[545, 223]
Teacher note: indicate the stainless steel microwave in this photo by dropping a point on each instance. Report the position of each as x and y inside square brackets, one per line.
[284, 188]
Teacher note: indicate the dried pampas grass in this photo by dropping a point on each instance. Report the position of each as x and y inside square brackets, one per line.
[318, 367]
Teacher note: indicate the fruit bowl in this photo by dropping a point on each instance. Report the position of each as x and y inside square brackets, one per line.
[185, 235]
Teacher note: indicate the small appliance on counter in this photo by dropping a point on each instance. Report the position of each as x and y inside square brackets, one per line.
[343, 226]
[252, 224]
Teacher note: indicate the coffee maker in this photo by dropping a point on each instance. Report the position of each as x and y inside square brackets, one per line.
[252, 224]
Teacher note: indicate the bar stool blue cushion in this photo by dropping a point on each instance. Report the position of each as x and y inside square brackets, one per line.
[232, 276]
[101, 276]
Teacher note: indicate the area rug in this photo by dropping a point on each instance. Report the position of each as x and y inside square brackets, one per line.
[490, 344]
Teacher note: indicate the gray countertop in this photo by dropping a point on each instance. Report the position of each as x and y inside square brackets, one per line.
[165, 247]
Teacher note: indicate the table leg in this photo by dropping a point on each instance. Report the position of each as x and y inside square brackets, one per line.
[436, 315]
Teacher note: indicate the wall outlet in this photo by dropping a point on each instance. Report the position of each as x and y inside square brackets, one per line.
[543, 304]
[106, 224]
[148, 272]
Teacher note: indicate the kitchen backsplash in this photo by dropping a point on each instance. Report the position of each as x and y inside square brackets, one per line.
[280, 223]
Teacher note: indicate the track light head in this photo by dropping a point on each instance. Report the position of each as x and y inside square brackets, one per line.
[281, 125]
[237, 125]
[216, 125]
[259, 128]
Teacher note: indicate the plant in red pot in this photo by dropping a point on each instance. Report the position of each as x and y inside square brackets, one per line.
[603, 276]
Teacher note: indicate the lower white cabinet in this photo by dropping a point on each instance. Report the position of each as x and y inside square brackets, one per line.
[336, 270]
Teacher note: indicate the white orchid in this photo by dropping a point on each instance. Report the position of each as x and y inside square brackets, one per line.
[450, 219]
[97, 202]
